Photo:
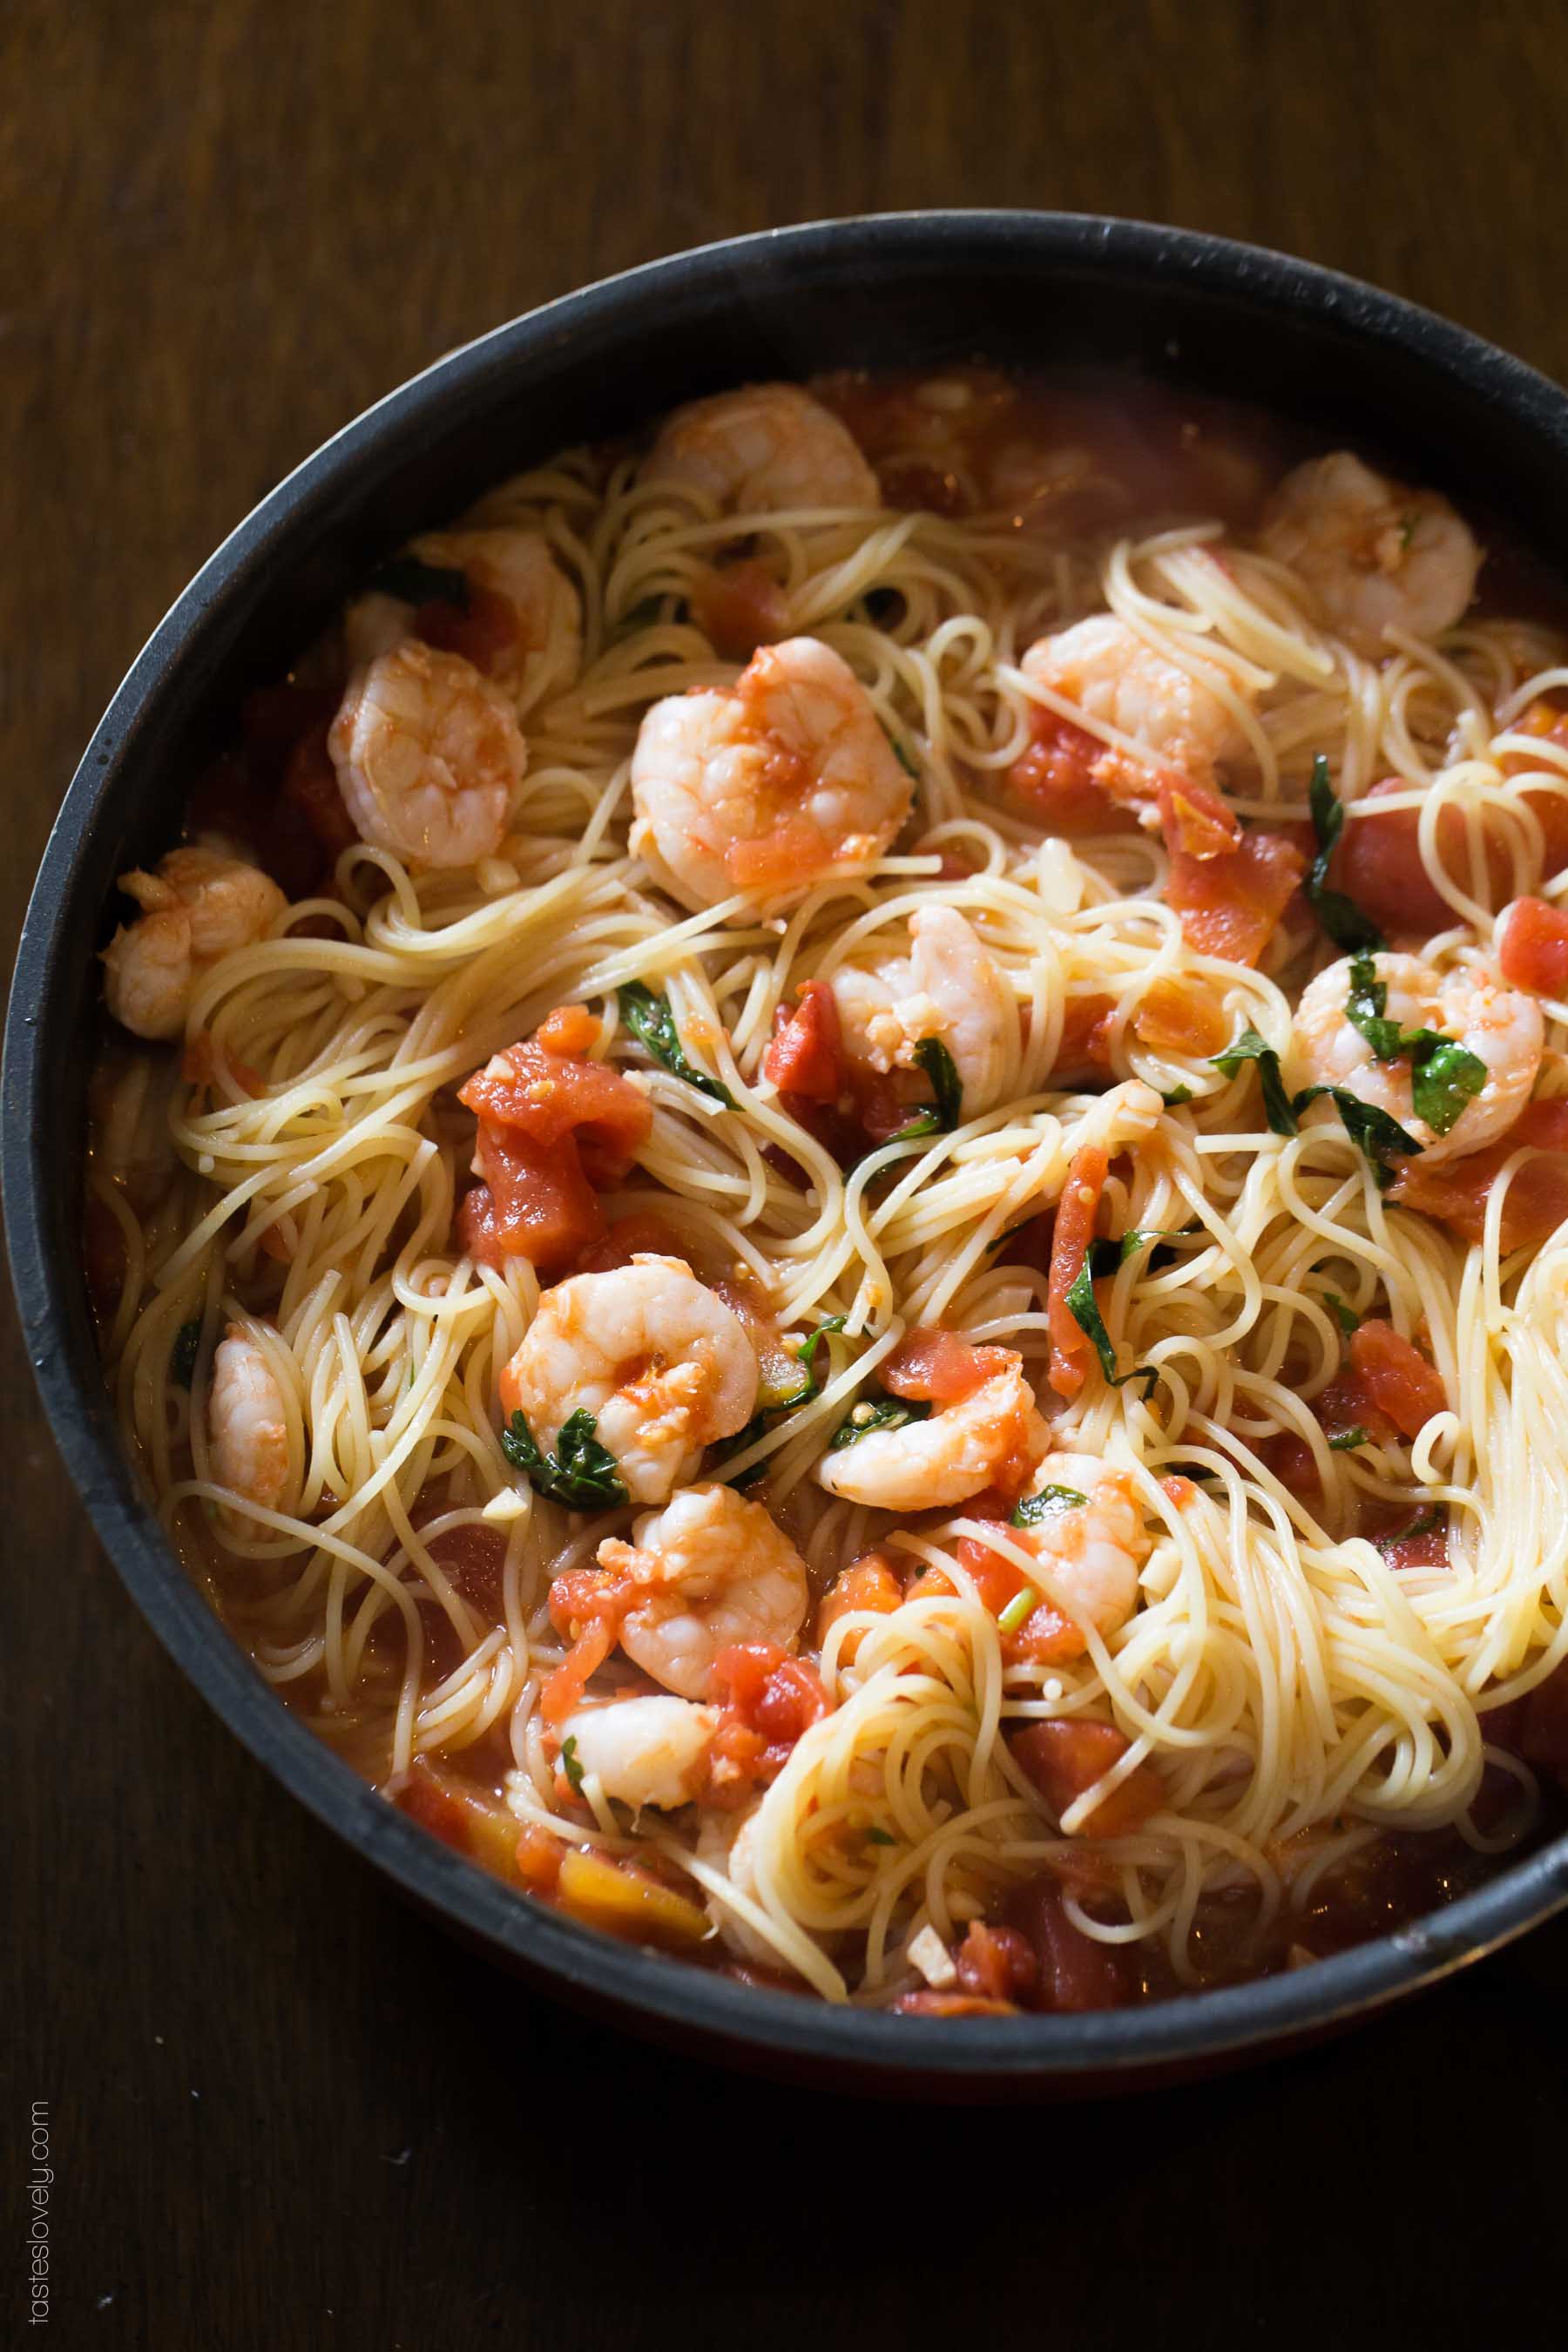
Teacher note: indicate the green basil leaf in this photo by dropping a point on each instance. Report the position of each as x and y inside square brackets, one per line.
[1346, 1317]
[1339, 917]
[806, 1361]
[570, 1766]
[581, 1473]
[415, 583]
[879, 1837]
[1445, 1076]
[1364, 1009]
[1348, 1440]
[1379, 1138]
[946, 1111]
[1177, 1095]
[1045, 1505]
[1425, 1523]
[900, 753]
[1250, 1047]
[877, 1413]
[1087, 1315]
[761, 1423]
[184, 1353]
[649, 1019]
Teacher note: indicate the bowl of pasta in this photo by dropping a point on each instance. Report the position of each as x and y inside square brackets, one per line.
[815, 1245]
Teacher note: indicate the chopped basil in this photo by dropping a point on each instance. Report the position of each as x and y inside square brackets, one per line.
[1425, 1523]
[1339, 917]
[570, 1766]
[877, 1413]
[650, 1020]
[946, 1111]
[1346, 1317]
[415, 583]
[1087, 1315]
[900, 753]
[182, 1354]
[1138, 1237]
[1348, 1440]
[1021, 1607]
[1444, 1078]
[1177, 1095]
[1443, 1074]
[761, 1423]
[1046, 1504]
[1379, 1138]
[879, 1837]
[1250, 1047]
[581, 1473]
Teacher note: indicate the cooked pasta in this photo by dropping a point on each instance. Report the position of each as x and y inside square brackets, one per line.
[993, 1430]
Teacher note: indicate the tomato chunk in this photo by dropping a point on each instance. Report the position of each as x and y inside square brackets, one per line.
[805, 1056]
[770, 1698]
[1550, 722]
[552, 1125]
[1073, 1972]
[1456, 1191]
[1532, 947]
[869, 1584]
[1378, 863]
[1085, 1037]
[1072, 1351]
[998, 1964]
[739, 607]
[1228, 887]
[1397, 1377]
[1055, 776]
[1065, 1758]
[940, 1366]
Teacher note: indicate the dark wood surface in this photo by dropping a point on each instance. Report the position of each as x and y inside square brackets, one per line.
[284, 2111]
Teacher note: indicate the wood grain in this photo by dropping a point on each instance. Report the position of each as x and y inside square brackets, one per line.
[284, 2111]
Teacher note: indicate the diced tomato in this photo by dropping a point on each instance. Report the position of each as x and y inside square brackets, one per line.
[1046, 1637]
[1176, 1016]
[537, 1860]
[1066, 1756]
[805, 1056]
[1455, 1190]
[1228, 887]
[770, 1698]
[1532, 947]
[461, 1814]
[1179, 1492]
[1397, 1377]
[1427, 1550]
[950, 2004]
[588, 1605]
[940, 1366]
[629, 1237]
[484, 630]
[1291, 1459]
[1055, 776]
[1085, 1037]
[998, 1964]
[870, 1584]
[739, 607]
[552, 1125]
[570, 1029]
[1378, 864]
[1075, 1973]
[311, 786]
[1072, 1352]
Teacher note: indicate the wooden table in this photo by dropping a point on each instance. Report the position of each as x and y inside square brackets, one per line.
[282, 2110]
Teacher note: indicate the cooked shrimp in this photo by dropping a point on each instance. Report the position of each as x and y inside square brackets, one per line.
[949, 987]
[1501, 1025]
[1088, 1552]
[644, 1751]
[769, 448]
[200, 904]
[956, 1451]
[1118, 680]
[543, 648]
[246, 1429]
[771, 784]
[1374, 555]
[662, 1364]
[709, 1570]
[428, 754]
